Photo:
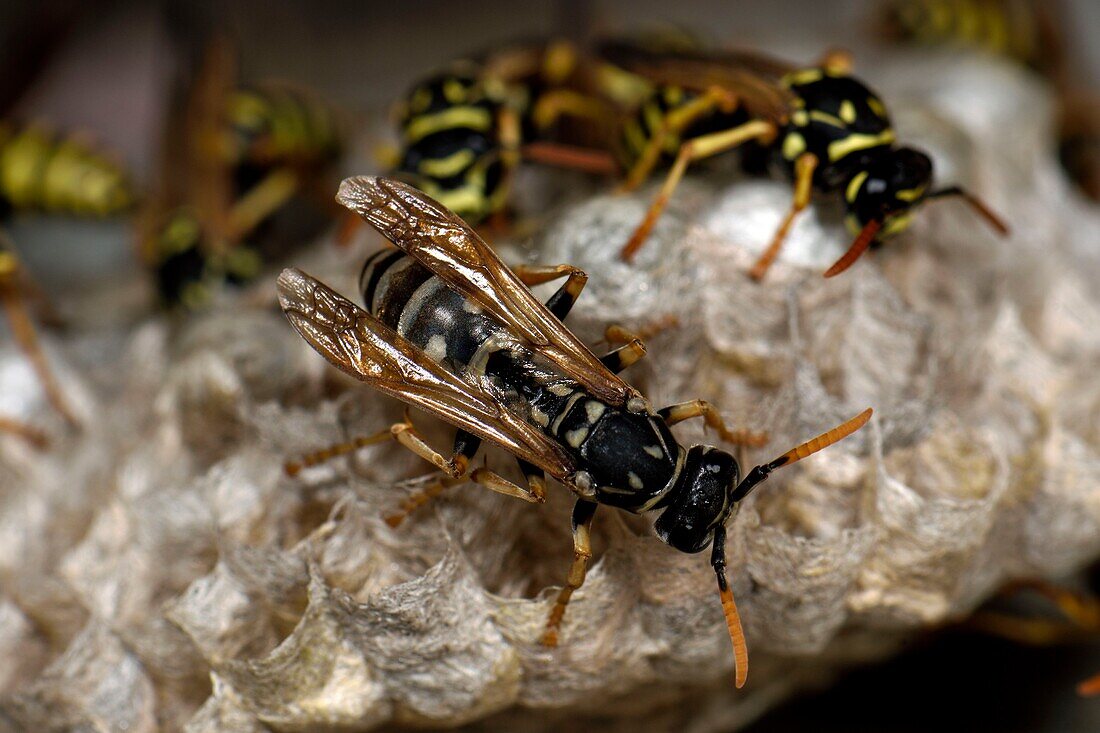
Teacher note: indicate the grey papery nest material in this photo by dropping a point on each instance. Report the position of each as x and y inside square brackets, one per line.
[160, 571]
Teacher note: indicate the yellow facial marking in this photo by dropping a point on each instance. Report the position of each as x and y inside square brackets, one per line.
[896, 223]
[910, 194]
[800, 118]
[877, 107]
[854, 185]
[857, 141]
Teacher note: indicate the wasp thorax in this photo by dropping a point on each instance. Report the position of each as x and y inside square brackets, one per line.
[886, 189]
[699, 502]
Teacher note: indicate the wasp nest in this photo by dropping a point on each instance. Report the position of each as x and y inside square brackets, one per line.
[160, 572]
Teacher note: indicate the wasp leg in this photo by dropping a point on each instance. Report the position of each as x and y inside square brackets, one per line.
[536, 478]
[25, 335]
[260, 202]
[323, 455]
[555, 104]
[674, 123]
[465, 448]
[583, 513]
[561, 302]
[693, 150]
[624, 356]
[701, 408]
[559, 155]
[616, 334]
[534, 492]
[29, 433]
[804, 167]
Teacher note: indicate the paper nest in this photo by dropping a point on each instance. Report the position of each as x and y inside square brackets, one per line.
[160, 572]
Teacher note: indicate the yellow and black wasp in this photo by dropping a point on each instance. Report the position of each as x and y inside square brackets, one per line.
[449, 328]
[47, 172]
[234, 158]
[1029, 32]
[464, 130]
[822, 126]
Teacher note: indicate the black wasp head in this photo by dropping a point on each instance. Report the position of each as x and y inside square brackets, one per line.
[700, 500]
[887, 188]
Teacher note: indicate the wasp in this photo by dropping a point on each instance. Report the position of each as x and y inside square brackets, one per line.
[463, 131]
[1027, 32]
[51, 172]
[450, 329]
[823, 127]
[234, 157]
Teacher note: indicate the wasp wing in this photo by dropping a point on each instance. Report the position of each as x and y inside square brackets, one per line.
[367, 349]
[439, 240]
[753, 78]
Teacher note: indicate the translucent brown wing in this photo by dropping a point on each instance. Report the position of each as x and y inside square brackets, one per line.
[443, 243]
[752, 78]
[367, 349]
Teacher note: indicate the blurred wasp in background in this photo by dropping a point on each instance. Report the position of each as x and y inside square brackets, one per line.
[1030, 32]
[464, 130]
[820, 125]
[449, 328]
[234, 159]
[51, 173]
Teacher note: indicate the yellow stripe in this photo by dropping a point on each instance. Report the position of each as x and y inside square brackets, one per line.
[452, 165]
[793, 145]
[854, 185]
[877, 106]
[801, 77]
[474, 118]
[858, 141]
[848, 111]
[910, 194]
[819, 116]
[895, 224]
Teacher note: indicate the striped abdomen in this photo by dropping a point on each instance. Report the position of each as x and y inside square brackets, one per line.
[273, 125]
[632, 457]
[45, 171]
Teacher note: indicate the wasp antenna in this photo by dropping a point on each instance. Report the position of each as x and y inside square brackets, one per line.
[729, 609]
[1089, 687]
[859, 246]
[979, 206]
[840, 432]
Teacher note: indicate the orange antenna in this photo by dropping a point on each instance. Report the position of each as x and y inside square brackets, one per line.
[979, 206]
[729, 609]
[859, 246]
[840, 432]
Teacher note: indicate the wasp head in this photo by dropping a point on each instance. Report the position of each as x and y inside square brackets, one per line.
[700, 500]
[886, 189]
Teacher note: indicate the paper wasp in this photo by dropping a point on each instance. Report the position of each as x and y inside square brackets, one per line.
[44, 171]
[465, 129]
[1029, 32]
[452, 330]
[822, 126]
[234, 158]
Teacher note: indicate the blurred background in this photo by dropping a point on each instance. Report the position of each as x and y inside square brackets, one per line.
[109, 68]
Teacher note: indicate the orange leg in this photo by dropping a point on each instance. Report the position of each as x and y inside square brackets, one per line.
[693, 150]
[804, 168]
[22, 328]
[583, 513]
